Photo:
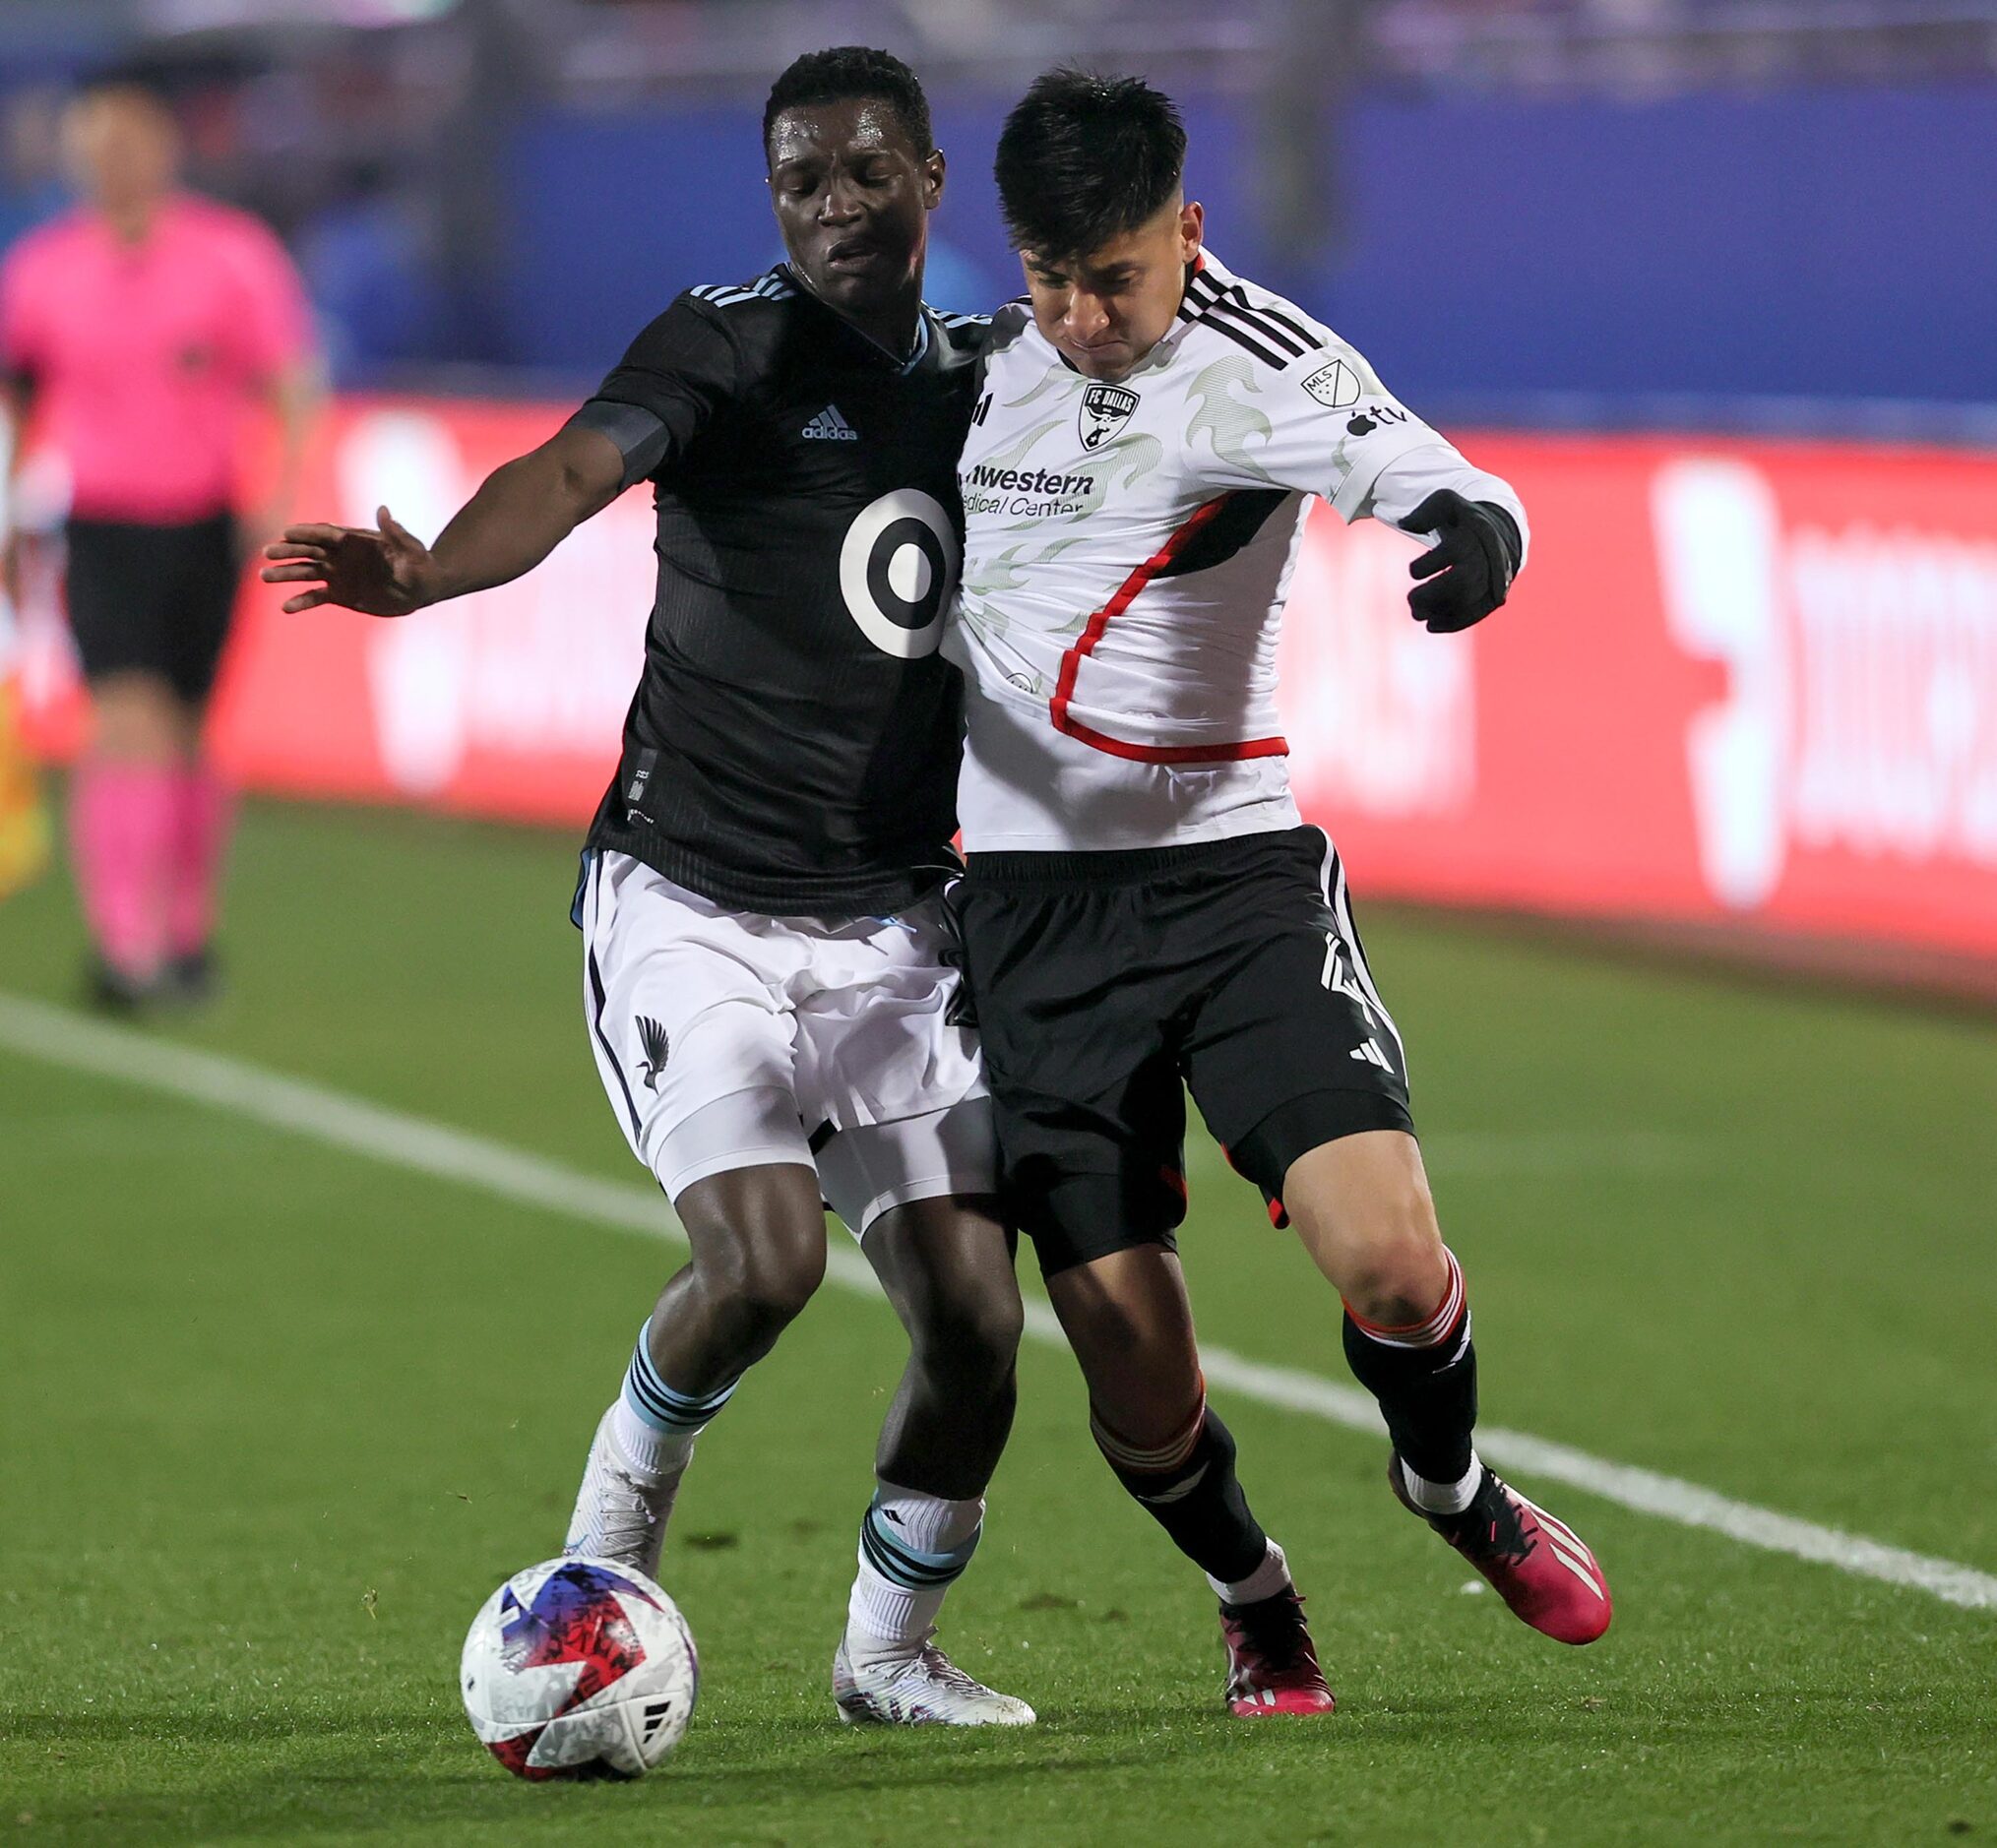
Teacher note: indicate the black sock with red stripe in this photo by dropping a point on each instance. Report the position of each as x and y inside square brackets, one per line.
[1189, 1487]
[1425, 1378]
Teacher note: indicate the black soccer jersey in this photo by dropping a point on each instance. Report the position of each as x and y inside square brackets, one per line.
[793, 743]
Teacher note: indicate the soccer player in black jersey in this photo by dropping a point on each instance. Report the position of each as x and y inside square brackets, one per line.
[767, 993]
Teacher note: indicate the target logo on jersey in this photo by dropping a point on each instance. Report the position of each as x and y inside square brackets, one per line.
[578, 1668]
[896, 568]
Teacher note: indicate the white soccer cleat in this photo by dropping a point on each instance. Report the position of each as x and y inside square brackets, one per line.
[620, 1515]
[926, 1689]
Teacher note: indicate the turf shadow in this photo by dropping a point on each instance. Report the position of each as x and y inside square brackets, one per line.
[299, 1805]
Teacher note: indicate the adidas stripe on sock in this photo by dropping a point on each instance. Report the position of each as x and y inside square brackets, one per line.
[655, 1425]
[913, 1547]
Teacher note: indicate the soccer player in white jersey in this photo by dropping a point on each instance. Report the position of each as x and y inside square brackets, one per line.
[1142, 906]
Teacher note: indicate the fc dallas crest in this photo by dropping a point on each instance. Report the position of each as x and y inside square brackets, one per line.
[1105, 408]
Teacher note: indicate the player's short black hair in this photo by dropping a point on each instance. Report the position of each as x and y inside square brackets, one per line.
[1083, 158]
[846, 73]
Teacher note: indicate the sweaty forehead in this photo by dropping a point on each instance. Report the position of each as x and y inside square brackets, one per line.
[822, 131]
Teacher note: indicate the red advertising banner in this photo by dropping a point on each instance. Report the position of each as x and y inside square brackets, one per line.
[1740, 681]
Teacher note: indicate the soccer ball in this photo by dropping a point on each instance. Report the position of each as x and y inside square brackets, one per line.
[578, 1667]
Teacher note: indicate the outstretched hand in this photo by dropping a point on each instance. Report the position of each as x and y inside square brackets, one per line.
[385, 573]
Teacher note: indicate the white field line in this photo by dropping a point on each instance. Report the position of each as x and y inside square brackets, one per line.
[60, 1037]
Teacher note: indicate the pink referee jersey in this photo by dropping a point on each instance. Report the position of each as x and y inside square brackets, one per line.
[145, 356]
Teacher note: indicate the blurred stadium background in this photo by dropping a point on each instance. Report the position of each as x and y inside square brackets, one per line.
[1713, 282]
[1714, 278]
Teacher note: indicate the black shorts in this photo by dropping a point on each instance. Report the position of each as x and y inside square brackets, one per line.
[153, 599]
[1104, 983]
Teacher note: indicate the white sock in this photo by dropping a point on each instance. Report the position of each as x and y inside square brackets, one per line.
[1265, 1581]
[652, 1454]
[912, 1548]
[655, 1425]
[1443, 1497]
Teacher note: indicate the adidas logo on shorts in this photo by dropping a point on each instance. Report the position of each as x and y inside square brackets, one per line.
[831, 427]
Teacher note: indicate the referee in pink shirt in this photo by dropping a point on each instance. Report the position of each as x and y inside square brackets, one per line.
[137, 331]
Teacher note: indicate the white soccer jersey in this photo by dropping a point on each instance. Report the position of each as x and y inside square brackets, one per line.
[1127, 551]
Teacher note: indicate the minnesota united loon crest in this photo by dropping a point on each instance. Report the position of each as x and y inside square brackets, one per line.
[657, 1049]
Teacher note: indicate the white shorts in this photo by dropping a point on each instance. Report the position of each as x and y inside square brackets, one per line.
[729, 1039]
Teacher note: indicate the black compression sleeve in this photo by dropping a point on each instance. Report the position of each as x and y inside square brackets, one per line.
[676, 376]
[640, 435]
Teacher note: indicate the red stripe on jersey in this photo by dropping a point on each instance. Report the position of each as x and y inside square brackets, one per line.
[1093, 632]
[1171, 753]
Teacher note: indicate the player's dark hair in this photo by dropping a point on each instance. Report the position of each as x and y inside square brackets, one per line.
[846, 74]
[1083, 158]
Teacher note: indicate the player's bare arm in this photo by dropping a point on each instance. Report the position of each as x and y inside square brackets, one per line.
[520, 513]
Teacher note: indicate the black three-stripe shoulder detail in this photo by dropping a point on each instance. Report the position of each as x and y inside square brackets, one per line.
[1234, 303]
[1265, 323]
[1230, 311]
[1267, 355]
[1277, 318]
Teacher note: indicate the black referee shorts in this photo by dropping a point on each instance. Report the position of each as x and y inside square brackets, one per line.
[153, 599]
[1105, 983]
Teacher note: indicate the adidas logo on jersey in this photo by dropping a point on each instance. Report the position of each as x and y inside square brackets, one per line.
[828, 426]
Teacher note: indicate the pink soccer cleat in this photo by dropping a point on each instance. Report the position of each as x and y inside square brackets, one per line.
[1537, 1564]
[1272, 1662]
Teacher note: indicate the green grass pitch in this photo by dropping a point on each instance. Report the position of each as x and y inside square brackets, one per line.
[277, 1417]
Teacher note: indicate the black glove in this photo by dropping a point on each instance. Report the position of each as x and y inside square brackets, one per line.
[1475, 554]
